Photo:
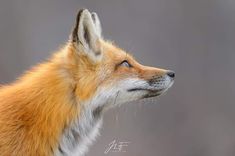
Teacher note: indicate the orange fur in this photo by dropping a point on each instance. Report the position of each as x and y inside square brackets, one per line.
[70, 91]
[35, 109]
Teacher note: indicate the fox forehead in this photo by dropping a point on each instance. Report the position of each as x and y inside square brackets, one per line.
[114, 54]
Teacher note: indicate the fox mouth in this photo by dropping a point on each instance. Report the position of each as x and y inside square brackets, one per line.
[150, 92]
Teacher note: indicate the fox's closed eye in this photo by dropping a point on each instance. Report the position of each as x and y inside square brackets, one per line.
[125, 63]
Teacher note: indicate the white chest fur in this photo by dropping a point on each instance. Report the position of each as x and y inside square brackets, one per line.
[80, 134]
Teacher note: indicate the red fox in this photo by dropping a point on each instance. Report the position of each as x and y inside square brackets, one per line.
[56, 108]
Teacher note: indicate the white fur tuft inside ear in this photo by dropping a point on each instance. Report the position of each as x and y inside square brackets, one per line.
[87, 32]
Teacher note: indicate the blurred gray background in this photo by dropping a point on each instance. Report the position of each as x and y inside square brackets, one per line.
[195, 38]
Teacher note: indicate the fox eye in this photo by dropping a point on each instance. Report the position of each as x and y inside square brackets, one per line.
[125, 63]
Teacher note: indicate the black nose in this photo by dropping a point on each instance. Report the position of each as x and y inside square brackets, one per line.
[171, 74]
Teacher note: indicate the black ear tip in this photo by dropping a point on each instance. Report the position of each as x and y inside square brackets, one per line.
[81, 10]
[80, 13]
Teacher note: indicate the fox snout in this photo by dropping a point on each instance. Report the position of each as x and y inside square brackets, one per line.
[157, 84]
[156, 79]
[160, 84]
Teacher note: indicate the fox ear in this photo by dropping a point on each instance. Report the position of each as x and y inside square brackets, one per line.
[86, 33]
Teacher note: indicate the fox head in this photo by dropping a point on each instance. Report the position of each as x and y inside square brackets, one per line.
[105, 75]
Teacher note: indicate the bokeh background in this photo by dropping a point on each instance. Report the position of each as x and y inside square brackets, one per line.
[195, 38]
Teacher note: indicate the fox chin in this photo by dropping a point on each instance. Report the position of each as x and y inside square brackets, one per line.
[56, 108]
